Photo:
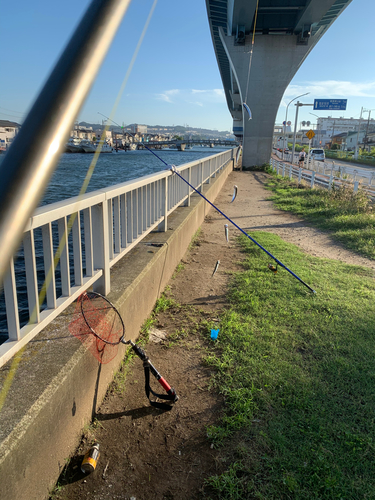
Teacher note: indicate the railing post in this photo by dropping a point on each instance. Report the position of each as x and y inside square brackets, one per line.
[290, 171]
[283, 169]
[100, 232]
[355, 188]
[188, 187]
[49, 265]
[330, 180]
[163, 226]
[312, 179]
[277, 167]
[11, 303]
[31, 276]
[299, 174]
[87, 231]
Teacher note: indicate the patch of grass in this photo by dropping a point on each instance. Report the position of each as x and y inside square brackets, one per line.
[162, 304]
[347, 215]
[180, 267]
[176, 337]
[297, 371]
[195, 239]
[90, 429]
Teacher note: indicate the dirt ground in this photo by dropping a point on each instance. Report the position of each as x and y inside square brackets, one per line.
[147, 453]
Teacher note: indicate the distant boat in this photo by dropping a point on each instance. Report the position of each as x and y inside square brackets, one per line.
[90, 147]
[188, 146]
[73, 145]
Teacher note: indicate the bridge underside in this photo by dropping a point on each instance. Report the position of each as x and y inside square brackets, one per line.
[284, 32]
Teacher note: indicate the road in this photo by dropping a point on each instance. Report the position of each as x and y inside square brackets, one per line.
[329, 161]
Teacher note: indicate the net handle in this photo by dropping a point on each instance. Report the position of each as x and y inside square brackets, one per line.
[97, 294]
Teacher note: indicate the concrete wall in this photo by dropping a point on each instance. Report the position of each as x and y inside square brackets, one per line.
[58, 385]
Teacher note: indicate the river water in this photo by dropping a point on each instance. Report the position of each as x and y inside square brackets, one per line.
[110, 169]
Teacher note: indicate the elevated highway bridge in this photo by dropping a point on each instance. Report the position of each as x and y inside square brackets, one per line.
[284, 32]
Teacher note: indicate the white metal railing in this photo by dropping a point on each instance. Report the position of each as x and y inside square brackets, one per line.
[341, 170]
[91, 233]
[325, 176]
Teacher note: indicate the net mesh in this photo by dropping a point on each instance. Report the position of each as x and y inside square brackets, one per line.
[97, 324]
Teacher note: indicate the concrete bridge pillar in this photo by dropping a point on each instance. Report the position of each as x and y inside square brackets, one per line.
[275, 60]
[180, 146]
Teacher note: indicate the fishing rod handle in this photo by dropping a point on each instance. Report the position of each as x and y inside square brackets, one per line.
[146, 362]
[168, 389]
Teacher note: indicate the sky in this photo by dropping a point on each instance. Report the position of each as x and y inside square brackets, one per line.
[175, 79]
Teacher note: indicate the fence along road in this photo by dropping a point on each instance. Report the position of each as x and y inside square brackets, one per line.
[328, 176]
[105, 226]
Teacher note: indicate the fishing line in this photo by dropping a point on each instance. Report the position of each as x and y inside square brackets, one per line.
[252, 49]
[174, 170]
[8, 381]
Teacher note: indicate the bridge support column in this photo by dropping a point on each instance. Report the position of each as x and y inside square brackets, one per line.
[276, 58]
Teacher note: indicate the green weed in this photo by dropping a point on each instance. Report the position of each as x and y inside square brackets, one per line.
[347, 215]
[297, 372]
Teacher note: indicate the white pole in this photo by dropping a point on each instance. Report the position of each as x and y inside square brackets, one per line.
[295, 132]
[286, 118]
[308, 155]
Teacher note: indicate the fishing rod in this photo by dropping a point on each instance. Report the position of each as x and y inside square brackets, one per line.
[174, 170]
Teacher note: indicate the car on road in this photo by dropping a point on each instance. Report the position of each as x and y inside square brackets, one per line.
[317, 154]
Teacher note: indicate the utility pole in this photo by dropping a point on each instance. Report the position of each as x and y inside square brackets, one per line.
[368, 123]
[333, 132]
[359, 129]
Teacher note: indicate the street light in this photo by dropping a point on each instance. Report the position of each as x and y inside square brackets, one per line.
[286, 117]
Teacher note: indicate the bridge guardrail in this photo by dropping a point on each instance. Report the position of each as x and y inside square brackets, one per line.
[96, 230]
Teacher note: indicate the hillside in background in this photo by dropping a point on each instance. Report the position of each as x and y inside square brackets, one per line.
[167, 130]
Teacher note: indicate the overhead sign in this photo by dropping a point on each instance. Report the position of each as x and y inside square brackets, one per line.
[310, 134]
[330, 104]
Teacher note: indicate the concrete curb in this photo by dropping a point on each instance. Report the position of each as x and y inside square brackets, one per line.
[59, 385]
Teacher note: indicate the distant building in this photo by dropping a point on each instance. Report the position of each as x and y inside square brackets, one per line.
[8, 131]
[351, 140]
[369, 141]
[328, 127]
[339, 139]
[140, 129]
[83, 132]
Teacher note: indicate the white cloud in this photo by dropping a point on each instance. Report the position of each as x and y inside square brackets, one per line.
[188, 96]
[329, 89]
[167, 96]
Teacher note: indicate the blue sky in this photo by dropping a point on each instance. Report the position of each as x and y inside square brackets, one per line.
[175, 79]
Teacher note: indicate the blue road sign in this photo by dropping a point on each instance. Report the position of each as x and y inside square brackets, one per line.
[330, 104]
